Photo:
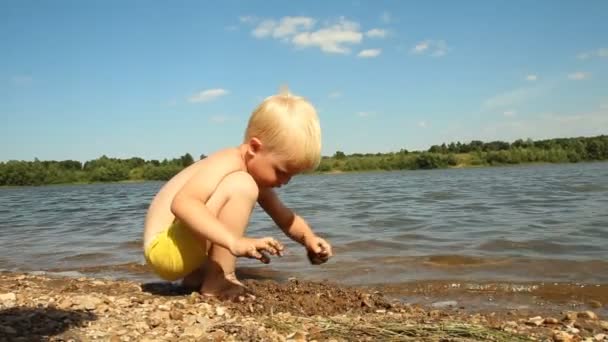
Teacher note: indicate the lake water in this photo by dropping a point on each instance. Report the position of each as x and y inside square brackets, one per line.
[539, 223]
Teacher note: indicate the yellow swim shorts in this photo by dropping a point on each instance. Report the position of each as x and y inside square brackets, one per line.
[175, 252]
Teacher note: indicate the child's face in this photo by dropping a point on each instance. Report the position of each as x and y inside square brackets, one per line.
[270, 170]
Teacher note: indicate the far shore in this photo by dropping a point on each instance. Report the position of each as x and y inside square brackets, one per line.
[331, 172]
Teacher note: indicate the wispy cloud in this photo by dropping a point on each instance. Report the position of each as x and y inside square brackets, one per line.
[207, 95]
[335, 95]
[21, 80]
[220, 119]
[386, 17]
[532, 77]
[335, 37]
[435, 48]
[509, 113]
[248, 19]
[601, 52]
[547, 125]
[579, 76]
[287, 26]
[370, 53]
[422, 124]
[365, 114]
[512, 97]
[376, 33]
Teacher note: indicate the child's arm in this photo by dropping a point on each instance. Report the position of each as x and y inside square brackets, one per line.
[293, 225]
[189, 207]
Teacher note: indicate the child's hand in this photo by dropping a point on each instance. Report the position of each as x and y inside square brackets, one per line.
[318, 250]
[255, 248]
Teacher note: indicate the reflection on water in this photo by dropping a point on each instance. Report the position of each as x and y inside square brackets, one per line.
[526, 224]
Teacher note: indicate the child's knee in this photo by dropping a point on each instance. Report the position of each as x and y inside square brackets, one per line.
[241, 185]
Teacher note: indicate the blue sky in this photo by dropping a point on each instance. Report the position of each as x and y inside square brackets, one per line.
[79, 79]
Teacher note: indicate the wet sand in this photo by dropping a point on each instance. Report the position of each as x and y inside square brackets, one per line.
[37, 307]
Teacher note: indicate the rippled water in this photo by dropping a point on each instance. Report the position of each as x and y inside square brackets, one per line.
[513, 224]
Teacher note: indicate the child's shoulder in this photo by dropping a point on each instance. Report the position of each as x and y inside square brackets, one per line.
[219, 163]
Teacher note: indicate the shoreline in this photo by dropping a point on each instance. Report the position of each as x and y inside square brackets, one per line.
[331, 172]
[61, 308]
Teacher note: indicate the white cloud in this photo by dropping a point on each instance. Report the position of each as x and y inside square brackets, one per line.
[376, 33]
[422, 124]
[578, 76]
[385, 17]
[370, 53]
[287, 26]
[335, 94]
[21, 80]
[364, 114]
[207, 95]
[509, 113]
[231, 28]
[532, 77]
[601, 52]
[435, 48]
[331, 39]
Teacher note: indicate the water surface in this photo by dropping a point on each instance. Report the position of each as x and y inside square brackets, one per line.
[526, 224]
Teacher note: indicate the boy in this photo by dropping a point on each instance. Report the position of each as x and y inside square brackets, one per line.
[195, 224]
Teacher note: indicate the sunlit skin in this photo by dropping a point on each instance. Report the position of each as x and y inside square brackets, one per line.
[215, 196]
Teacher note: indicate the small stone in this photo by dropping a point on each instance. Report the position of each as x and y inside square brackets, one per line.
[381, 311]
[220, 311]
[445, 304]
[573, 330]
[218, 335]
[176, 315]
[561, 336]
[595, 304]
[65, 303]
[298, 336]
[115, 338]
[604, 325]
[194, 331]
[570, 316]
[551, 320]
[600, 337]
[535, 321]
[588, 315]
[163, 307]
[8, 297]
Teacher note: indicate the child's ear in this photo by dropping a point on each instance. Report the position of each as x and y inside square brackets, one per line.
[255, 145]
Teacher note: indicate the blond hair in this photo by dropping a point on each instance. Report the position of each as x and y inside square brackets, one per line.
[288, 125]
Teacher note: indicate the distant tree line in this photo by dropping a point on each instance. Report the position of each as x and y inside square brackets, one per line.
[475, 153]
[103, 169]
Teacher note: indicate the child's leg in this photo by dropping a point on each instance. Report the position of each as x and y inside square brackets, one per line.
[232, 203]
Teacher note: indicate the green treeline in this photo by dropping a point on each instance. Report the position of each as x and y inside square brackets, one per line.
[475, 153]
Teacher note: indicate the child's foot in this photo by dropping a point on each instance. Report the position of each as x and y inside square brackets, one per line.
[232, 278]
[221, 287]
[194, 280]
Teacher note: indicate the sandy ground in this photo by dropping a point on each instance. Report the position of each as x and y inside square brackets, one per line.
[41, 308]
